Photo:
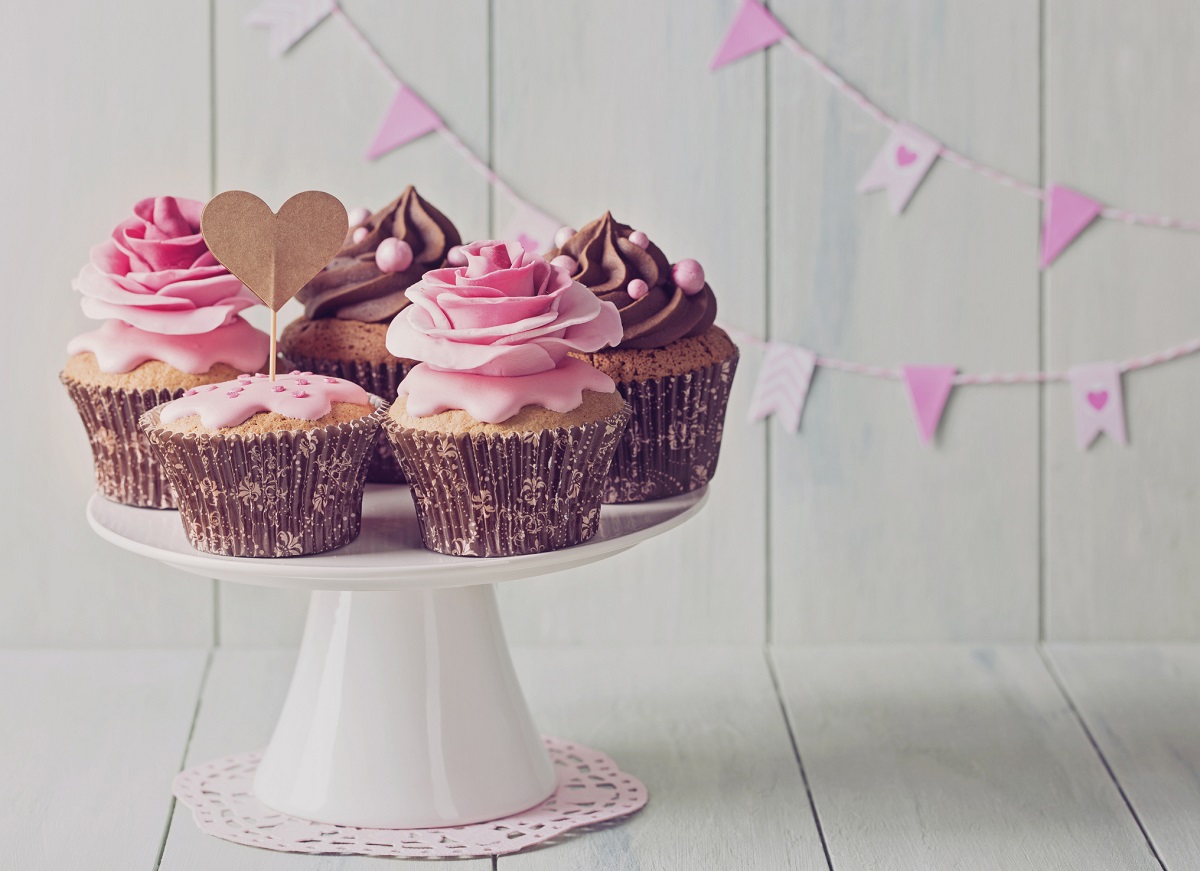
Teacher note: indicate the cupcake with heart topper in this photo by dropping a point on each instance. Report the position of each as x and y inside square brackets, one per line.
[349, 304]
[673, 365]
[266, 465]
[171, 322]
[504, 437]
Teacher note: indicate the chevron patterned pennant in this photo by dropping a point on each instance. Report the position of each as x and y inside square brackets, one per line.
[288, 20]
[782, 385]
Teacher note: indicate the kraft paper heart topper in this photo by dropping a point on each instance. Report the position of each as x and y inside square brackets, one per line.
[274, 253]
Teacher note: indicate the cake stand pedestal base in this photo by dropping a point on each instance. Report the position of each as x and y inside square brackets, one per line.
[404, 712]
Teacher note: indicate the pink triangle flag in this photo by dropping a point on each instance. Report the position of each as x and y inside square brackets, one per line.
[407, 118]
[533, 228]
[901, 165]
[287, 21]
[1099, 403]
[1067, 213]
[928, 389]
[782, 385]
[753, 30]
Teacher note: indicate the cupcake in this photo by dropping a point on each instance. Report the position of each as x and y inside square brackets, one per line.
[349, 304]
[504, 438]
[266, 468]
[673, 366]
[171, 323]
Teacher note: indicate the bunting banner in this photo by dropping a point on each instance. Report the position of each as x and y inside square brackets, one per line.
[1099, 405]
[532, 227]
[782, 385]
[902, 164]
[288, 21]
[928, 389]
[900, 167]
[408, 118]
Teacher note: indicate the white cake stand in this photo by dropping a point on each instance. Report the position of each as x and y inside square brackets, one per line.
[404, 710]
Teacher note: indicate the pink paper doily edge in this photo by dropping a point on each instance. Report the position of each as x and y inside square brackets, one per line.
[591, 790]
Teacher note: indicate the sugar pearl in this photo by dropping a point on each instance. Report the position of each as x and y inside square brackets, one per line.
[563, 236]
[456, 257]
[640, 239]
[359, 216]
[689, 276]
[359, 234]
[565, 261]
[637, 289]
[393, 255]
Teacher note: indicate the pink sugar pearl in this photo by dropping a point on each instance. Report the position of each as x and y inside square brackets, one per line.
[565, 261]
[359, 234]
[689, 276]
[359, 215]
[637, 289]
[393, 255]
[456, 257]
[640, 239]
[563, 236]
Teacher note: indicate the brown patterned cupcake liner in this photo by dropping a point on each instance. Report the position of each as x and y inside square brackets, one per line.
[674, 434]
[382, 379]
[127, 470]
[504, 494]
[273, 494]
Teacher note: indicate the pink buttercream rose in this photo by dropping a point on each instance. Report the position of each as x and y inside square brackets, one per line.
[157, 274]
[507, 312]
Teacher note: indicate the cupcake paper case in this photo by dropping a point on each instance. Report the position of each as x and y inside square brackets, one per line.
[172, 321]
[268, 468]
[504, 438]
[349, 304]
[673, 365]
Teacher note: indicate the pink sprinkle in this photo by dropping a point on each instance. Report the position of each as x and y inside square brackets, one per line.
[259, 375]
[456, 257]
[278, 389]
[563, 236]
[359, 234]
[359, 215]
[233, 393]
[191, 392]
[393, 255]
[247, 381]
[294, 372]
[299, 394]
[331, 381]
[637, 289]
[301, 380]
[689, 276]
[640, 239]
[565, 261]
[244, 375]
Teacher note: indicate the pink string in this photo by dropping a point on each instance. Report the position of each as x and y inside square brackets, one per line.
[1174, 352]
[863, 102]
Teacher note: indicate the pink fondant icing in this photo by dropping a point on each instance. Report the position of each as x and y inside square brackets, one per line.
[121, 348]
[156, 275]
[496, 398]
[234, 402]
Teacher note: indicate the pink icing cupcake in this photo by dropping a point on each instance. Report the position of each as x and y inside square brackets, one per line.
[267, 468]
[171, 322]
[505, 440]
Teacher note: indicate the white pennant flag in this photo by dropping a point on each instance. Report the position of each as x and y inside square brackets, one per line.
[288, 20]
[782, 386]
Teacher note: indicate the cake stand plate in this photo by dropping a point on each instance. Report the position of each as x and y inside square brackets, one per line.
[404, 710]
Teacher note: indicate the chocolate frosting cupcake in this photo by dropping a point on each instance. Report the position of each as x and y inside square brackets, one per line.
[609, 259]
[353, 287]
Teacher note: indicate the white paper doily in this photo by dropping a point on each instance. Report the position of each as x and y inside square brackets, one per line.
[591, 789]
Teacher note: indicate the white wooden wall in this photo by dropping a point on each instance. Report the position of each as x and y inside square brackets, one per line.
[851, 531]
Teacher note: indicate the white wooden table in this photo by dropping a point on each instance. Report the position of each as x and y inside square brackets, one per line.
[881, 757]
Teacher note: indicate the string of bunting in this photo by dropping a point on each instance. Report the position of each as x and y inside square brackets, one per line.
[787, 370]
[909, 152]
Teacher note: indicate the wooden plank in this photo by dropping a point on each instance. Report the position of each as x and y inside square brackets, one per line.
[242, 698]
[89, 742]
[702, 728]
[952, 757]
[1121, 553]
[1141, 704]
[304, 121]
[646, 132]
[98, 116]
[876, 537]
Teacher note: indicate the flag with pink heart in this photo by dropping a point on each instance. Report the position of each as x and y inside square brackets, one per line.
[901, 166]
[533, 228]
[1099, 404]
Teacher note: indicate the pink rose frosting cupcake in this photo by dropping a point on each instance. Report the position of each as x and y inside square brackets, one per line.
[267, 468]
[171, 322]
[504, 438]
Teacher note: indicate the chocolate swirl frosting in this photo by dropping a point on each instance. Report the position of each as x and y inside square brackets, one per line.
[608, 261]
[353, 287]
